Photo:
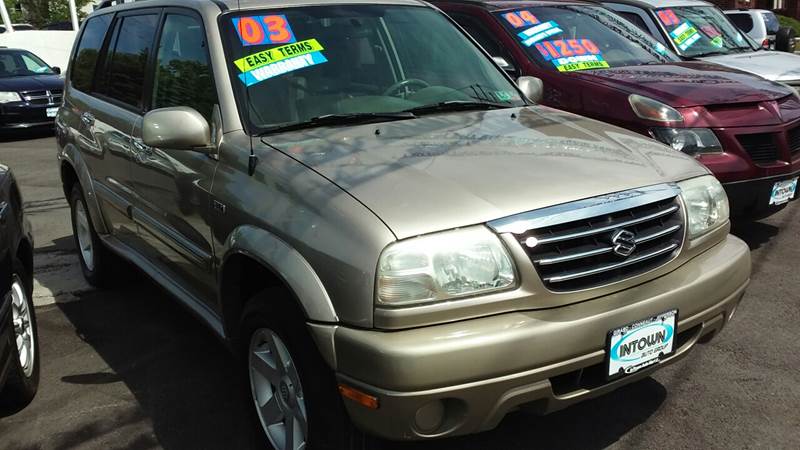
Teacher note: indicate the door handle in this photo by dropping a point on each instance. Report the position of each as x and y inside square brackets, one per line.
[87, 119]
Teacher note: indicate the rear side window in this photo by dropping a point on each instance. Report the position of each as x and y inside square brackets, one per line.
[771, 21]
[85, 60]
[743, 21]
[127, 58]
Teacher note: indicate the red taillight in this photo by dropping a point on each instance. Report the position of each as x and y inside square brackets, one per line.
[765, 44]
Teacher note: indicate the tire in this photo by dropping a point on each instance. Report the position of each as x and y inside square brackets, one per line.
[785, 40]
[100, 267]
[23, 378]
[272, 324]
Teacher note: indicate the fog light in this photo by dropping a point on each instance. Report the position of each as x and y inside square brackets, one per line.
[430, 416]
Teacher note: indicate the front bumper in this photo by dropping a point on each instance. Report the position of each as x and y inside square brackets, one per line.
[22, 115]
[464, 377]
[750, 199]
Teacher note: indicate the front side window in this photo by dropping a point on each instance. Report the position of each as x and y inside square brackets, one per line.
[297, 64]
[22, 64]
[183, 74]
[127, 58]
[83, 66]
[572, 38]
[698, 31]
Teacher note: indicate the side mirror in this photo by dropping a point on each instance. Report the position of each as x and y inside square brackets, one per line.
[56, 70]
[532, 87]
[177, 128]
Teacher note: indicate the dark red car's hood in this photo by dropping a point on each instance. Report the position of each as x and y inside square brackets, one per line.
[688, 84]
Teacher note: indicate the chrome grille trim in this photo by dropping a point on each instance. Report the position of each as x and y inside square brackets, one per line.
[602, 240]
[613, 226]
[606, 268]
[43, 97]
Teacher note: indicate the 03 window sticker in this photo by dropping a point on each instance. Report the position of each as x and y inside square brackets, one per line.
[275, 61]
[570, 55]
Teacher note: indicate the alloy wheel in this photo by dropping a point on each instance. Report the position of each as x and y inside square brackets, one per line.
[23, 326]
[84, 233]
[277, 392]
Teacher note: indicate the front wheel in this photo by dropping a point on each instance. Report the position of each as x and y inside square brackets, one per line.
[23, 380]
[293, 391]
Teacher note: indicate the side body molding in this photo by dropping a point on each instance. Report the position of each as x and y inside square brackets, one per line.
[69, 154]
[288, 264]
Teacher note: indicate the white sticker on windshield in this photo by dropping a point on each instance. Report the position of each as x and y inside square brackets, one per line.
[539, 33]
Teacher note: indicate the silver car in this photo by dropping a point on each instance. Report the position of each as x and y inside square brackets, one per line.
[384, 228]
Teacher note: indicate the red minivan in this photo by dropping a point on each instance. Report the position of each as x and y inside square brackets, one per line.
[592, 62]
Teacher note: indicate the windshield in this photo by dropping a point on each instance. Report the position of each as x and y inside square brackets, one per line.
[569, 38]
[700, 31]
[21, 64]
[297, 64]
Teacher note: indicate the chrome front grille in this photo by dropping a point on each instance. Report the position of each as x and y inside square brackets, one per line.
[45, 97]
[601, 240]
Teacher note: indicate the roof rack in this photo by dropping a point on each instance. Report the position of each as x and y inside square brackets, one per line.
[110, 3]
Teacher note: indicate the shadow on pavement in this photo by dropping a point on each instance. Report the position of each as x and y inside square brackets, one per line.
[187, 386]
[756, 234]
[26, 134]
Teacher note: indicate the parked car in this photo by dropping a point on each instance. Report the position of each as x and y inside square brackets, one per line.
[369, 211]
[19, 344]
[760, 24]
[30, 90]
[699, 30]
[739, 125]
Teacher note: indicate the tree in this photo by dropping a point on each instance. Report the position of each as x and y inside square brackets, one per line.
[42, 12]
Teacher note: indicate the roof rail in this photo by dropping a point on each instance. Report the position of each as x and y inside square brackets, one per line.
[110, 3]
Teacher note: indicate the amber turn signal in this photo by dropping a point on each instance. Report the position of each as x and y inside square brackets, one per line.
[359, 397]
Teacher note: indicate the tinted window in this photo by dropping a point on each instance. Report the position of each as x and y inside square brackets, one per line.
[82, 69]
[183, 75]
[127, 58]
[771, 21]
[634, 19]
[22, 64]
[699, 31]
[743, 21]
[479, 33]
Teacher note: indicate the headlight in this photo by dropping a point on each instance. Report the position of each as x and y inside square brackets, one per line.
[444, 266]
[7, 97]
[650, 109]
[706, 204]
[692, 141]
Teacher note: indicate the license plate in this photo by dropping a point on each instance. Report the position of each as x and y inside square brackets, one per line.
[51, 112]
[641, 344]
[783, 191]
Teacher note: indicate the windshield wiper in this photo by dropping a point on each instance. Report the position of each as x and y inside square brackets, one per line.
[456, 105]
[339, 119]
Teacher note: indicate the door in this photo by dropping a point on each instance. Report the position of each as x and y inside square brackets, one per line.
[172, 187]
[106, 100]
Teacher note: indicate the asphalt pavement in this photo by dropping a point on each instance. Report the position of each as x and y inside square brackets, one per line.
[129, 368]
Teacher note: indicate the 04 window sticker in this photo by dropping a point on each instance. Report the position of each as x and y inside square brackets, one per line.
[570, 55]
[274, 61]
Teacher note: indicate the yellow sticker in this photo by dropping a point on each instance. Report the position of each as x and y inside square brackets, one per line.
[276, 54]
[583, 65]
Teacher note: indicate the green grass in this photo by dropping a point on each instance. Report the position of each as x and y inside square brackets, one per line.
[790, 22]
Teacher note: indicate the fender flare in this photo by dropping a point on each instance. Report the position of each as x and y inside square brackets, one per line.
[72, 156]
[288, 264]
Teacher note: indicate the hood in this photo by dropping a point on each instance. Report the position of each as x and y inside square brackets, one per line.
[32, 83]
[452, 170]
[688, 84]
[777, 66]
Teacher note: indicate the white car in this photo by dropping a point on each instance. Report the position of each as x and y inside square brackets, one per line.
[698, 30]
[760, 24]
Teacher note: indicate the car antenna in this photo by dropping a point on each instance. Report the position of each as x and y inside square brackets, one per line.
[252, 161]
